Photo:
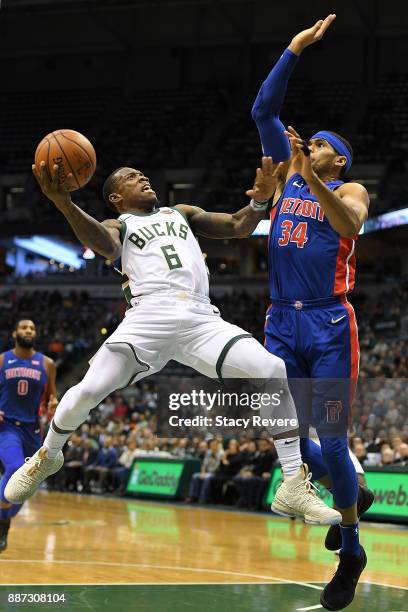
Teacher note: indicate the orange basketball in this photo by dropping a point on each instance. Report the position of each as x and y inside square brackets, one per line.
[72, 153]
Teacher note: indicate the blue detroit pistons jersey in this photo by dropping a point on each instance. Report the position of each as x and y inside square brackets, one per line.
[22, 384]
[308, 259]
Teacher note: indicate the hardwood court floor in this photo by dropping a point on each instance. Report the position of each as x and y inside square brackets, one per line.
[254, 559]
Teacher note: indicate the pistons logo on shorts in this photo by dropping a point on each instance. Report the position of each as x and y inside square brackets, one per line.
[333, 409]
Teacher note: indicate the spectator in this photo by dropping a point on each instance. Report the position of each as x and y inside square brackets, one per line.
[387, 456]
[209, 465]
[360, 452]
[402, 454]
[120, 473]
[97, 472]
[370, 444]
[253, 478]
[231, 462]
[73, 462]
[120, 409]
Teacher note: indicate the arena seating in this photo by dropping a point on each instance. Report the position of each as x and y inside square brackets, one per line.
[69, 330]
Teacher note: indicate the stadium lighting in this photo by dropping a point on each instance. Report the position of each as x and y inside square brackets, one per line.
[51, 249]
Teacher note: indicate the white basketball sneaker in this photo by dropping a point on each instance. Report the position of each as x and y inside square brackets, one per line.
[26, 480]
[296, 498]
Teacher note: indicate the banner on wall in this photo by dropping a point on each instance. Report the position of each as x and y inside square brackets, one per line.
[166, 478]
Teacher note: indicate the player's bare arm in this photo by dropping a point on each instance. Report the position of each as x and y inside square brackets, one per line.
[346, 208]
[51, 398]
[104, 238]
[242, 223]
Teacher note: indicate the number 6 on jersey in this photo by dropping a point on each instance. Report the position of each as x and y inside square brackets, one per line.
[173, 260]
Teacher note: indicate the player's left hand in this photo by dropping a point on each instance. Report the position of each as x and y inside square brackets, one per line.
[51, 406]
[266, 179]
[300, 158]
[1, 416]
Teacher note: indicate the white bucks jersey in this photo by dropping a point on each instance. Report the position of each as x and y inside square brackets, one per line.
[159, 252]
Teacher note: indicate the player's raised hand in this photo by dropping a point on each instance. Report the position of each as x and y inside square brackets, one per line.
[311, 35]
[1, 416]
[265, 182]
[56, 192]
[300, 158]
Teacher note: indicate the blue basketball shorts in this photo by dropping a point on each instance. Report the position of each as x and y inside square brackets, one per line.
[318, 341]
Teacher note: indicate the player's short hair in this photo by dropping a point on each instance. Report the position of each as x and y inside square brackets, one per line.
[108, 187]
[17, 323]
[346, 143]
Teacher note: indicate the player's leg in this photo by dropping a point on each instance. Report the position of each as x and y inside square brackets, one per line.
[279, 340]
[279, 325]
[113, 367]
[334, 368]
[365, 499]
[11, 458]
[221, 350]
[332, 396]
[218, 349]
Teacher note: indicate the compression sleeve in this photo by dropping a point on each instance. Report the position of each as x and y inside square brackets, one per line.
[267, 106]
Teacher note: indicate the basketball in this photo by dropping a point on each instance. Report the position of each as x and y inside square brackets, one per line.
[72, 153]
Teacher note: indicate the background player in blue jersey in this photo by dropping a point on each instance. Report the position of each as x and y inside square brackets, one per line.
[315, 220]
[27, 382]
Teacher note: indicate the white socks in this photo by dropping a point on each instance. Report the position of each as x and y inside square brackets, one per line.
[55, 441]
[288, 450]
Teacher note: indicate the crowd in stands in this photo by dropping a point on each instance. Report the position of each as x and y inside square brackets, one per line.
[98, 457]
[122, 427]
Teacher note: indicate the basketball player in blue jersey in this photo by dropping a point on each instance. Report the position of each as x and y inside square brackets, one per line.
[315, 221]
[27, 379]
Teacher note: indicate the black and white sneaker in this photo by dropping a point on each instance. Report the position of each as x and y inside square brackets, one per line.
[4, 527]
[364, 501]
[339, 593]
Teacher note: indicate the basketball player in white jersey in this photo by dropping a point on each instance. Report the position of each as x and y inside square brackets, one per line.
[170, 316]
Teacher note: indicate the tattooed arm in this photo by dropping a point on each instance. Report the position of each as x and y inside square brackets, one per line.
[104, 238]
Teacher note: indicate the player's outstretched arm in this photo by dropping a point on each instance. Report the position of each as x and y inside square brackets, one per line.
[242, 223]
[270, 98]
[104, 238]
